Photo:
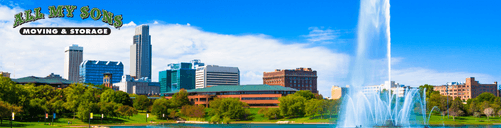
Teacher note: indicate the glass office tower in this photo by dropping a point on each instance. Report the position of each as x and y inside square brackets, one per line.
[91, 71]
[179, 75]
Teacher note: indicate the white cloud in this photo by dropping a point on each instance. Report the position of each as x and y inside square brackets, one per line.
[253, 54]
[156, 22]
[319, 35]
[419, 76]
[132, 24]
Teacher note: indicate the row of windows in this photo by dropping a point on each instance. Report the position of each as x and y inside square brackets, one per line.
[260, 98]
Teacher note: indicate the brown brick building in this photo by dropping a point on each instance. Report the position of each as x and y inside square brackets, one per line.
[299, 78]
[469, 89]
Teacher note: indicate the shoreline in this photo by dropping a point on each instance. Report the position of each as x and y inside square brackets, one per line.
[160, 123]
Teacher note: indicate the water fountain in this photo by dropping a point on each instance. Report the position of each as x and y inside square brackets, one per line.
[372, 66]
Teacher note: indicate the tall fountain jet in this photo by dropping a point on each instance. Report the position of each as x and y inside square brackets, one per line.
[372, 66]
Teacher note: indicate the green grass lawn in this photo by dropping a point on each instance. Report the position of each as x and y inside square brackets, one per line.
[438, 120]
[63, 122]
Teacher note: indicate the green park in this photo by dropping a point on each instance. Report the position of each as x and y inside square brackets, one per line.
[46, 106]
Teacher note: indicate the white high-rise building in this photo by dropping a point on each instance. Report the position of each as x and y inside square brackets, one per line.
[140, 53]
[73, 56]
[213, 75]
[394, 87]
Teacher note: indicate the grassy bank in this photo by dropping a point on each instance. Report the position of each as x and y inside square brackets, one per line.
[139, 119]
[439, 120]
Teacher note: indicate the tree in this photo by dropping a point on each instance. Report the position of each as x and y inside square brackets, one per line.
[429, 90]
[499, 113]
[160, 107]
[272, 113]
[85, 108]
[488, 112]
[109, 108]
[72, 93]
[180, 98]
[193, 111]
[6, 109]
[476, 114]
[307, 94]
[229, 107]
[456, 108]
[120, 97]
[292, 106]
[141, 102]
[313, 107]
[473, 108]
[127, 111]
[333, 107]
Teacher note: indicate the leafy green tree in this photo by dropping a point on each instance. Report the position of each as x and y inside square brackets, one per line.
[215, 118]
[307, 94]
[6, 109]
[229, 107]
[85, 108]
[141, 102]
[332, 106]
[313, 107]
[127, 111]
[116, 96]
[429, 90]
[456, 108]
[272, 113]
[109, 108]
[180, 99]
[292, 106]
[160, 107]
[73, 93]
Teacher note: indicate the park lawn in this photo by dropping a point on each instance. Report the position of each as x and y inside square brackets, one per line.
[439, 120]
[139, 119]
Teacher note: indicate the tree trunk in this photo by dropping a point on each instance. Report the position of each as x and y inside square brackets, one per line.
[1, 120]
[74, 115]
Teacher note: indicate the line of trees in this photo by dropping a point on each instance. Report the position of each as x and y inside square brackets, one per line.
[31, 103]
[76, 101]
[300, 104]
[486, 104]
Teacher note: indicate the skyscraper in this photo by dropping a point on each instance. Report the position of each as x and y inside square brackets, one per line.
[92, 71]
[73, 56]
[140, 53]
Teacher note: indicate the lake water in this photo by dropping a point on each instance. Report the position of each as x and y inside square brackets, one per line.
[281, 126]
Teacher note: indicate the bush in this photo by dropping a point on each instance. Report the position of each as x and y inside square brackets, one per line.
[273, 113]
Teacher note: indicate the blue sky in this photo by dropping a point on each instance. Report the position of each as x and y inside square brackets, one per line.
[449, 36]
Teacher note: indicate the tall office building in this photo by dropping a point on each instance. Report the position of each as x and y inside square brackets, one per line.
[299, 78]
[214, 75]
[179, 75]
[73, 56]
[140, 53]
[92, 71]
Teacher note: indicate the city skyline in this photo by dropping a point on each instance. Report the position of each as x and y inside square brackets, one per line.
[415, 61]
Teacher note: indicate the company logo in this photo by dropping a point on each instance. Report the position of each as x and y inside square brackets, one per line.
[67, 10]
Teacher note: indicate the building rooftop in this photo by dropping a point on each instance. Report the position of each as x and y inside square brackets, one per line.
[51, 79]
[239, 88]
